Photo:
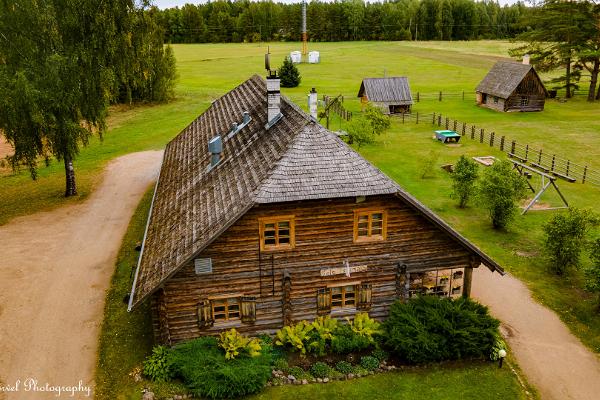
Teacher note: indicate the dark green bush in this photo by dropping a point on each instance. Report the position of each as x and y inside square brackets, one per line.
[347, 341]
[298, 373]
[380, 355]
[205, 371]
[319, 370]
[431, 328]
[159, 366]
[369, 363]
[344, 367]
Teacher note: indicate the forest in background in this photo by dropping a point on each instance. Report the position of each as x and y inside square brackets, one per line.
[248, 21]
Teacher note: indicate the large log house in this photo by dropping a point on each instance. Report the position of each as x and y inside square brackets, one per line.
[282, 221]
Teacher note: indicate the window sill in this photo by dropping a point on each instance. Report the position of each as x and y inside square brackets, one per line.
[369, 239]
[343, 312]
[277, 248]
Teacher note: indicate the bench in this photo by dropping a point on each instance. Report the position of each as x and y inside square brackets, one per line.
[565, 177]
[523, 160]
[538, 166]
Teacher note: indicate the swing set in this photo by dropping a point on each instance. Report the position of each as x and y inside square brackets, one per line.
[547, 180]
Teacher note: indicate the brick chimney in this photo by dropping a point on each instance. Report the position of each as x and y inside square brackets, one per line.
[273, 99]
[526, 59]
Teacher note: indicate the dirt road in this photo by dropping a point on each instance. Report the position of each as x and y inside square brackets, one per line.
[54, 270]
[552, 358]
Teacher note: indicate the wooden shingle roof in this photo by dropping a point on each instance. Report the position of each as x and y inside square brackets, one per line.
[504, 77]
[296, 159]
[387, 90]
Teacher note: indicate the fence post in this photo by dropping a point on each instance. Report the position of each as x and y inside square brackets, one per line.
[454, 126]
[439, 120]
[526, 151]
[433, 119]
[440, 95]
[472, 132]
[584, 174]
[402, 116]
[540, 157]
[481, 135]
[512, 147]
[417, 118]
[463, 95]
[492, 139]
[502, 143]
[464, 128]
[447, 122]
[553, 159]
[418, 97]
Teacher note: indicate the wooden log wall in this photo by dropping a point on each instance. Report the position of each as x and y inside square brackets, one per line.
[324, 239]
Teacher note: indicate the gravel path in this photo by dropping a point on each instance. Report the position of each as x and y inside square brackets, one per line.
[54, 270]
[552, 358]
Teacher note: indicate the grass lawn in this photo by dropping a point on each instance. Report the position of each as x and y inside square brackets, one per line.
[207, 71]
[126, 340]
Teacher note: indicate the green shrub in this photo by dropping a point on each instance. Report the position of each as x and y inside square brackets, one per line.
[281, 364]
[159, 366]
[592, 273]
[499, 190]
[565, 238]
[289, 74]
[463, 180]
[298, 373]
[369, 363]
[235, 343]
[430, 328]
[346, 341]
[380, 355]
[296, 336]
[499, 344]
[319, 370]
[322, 334]
[344, 367]
[202, 366]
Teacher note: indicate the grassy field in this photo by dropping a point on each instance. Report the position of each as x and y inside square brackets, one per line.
[126, 339]
[570, 129]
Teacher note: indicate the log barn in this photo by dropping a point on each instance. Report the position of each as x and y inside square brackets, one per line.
[262, 217]
[511, 86]
[392, 95]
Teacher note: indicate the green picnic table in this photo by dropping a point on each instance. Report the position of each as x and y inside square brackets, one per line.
[447, 136]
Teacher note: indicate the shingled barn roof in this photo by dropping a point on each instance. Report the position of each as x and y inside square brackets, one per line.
[393, 90]
[504, 77]
[296, 159]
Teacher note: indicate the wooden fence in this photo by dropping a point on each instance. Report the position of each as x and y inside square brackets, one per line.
[546, 161]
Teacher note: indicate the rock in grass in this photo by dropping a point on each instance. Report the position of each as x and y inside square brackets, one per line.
[148, 396]
[304, 382]
[325, 380]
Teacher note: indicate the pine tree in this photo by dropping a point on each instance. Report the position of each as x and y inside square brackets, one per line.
[289, 74]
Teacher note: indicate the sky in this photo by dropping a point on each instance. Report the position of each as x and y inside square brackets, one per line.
[162, 4]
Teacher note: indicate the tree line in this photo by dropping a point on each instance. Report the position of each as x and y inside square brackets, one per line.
[566, 35]
[62, 62]
[248, 21]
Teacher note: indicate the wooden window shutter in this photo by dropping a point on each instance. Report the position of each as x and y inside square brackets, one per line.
[324, 301]
[205, 317]
[248, 309]
[365, 292]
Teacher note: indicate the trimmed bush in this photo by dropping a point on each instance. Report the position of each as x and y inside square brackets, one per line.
[319, 370]
[430, 328]
[281, 364]
[344, 367]
[159, 366]
[369, 363]
[380, 355]
[207, 373]
[345, 340]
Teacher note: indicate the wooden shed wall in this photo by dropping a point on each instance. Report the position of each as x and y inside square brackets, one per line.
[324, 239]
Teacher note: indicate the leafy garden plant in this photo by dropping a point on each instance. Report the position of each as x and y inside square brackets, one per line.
[235, 343]
[320, 370]
[364, 326]
[296, 336]
[369, 363]
[159, 366]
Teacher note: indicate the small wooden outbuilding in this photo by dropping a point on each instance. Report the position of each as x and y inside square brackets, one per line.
[391, 94]
[282, 221]
[511, 86]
